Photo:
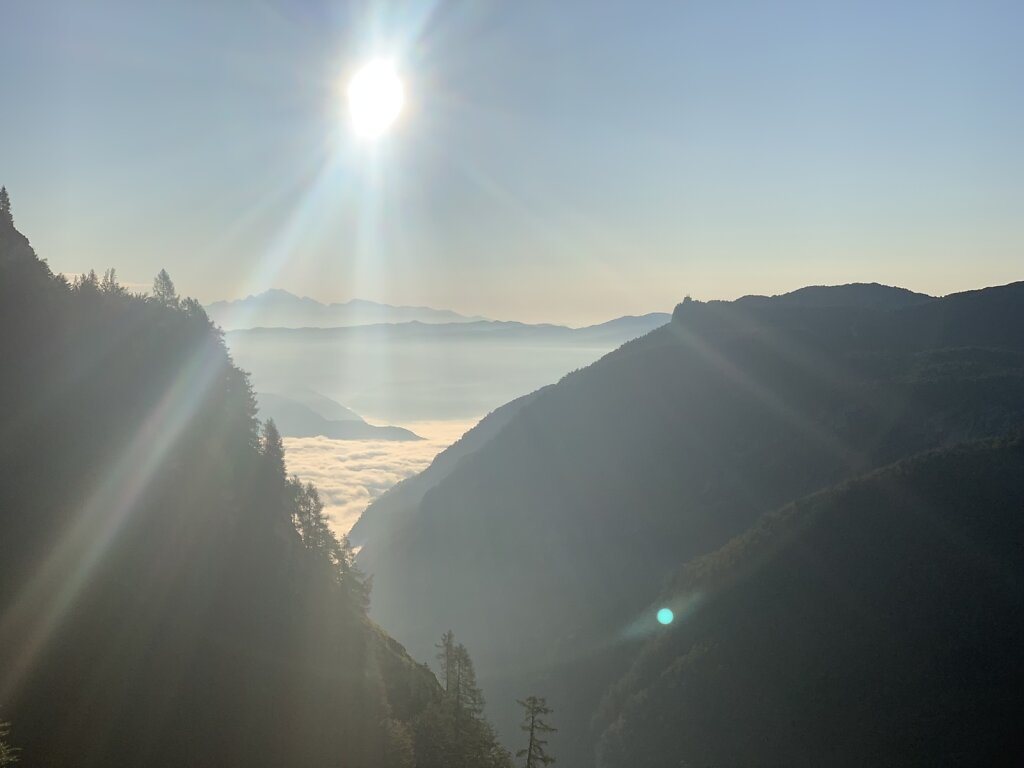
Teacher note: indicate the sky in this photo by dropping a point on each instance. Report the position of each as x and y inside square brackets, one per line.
[563, 161]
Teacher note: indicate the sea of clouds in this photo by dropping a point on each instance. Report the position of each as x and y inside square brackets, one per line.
[351, 473]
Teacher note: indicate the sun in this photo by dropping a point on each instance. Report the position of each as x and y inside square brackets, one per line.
[375, 98]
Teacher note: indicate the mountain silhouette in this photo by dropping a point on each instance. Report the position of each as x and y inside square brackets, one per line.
[295, 419]
[877, 621]
[167, 593]
[870, 295]
[406, 372]
[558, 529]
[387, 514]
[279, 308]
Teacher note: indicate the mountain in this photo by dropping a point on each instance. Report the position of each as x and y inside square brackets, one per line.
[167, 594]
[557, 530]
[323, 406]
[395, 506]
[294, 419]
[474, 330]
[871, 295]
[403, 372]
[279, 308]
[877, 622]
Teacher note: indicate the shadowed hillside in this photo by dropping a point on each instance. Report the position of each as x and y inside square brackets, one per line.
[566, 523]
[168, 595]
[388, 514]
[878, 622]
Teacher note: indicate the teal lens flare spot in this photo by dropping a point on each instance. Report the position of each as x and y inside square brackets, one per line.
[665, 616]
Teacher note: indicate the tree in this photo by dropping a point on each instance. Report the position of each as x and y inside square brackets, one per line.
[5, 208]
[453, 732]
[163, 290]
[193, 308]
[535, 707]
[272, 448]
[446, 655]
[109, 284]
[468, 698]
[8, 754]
[87, 284]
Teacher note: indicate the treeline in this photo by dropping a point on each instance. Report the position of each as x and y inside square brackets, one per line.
[168, 595]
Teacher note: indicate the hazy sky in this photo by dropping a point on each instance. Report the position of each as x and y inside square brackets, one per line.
[564, 161]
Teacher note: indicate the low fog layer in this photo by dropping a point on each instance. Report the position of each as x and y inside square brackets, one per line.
[416, 372]
[350, 474]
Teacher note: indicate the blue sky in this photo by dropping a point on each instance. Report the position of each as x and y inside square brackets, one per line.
[563, 161]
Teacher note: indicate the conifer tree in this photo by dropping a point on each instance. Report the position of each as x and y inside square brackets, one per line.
[536, 707]
[5, 208]
[109, 284]
[164, 291]
[272, 448]
[446, 656]
[8, 754]
[87, 283]
[468, 698]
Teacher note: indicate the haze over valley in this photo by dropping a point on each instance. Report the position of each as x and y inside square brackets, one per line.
[432, 377]
[592, 383]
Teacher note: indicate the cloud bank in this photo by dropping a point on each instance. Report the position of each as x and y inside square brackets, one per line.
[351, 473]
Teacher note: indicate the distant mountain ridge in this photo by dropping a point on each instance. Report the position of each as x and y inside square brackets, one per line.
[278, 308]
[397, 373]
[617, 330]
[296, 416]
[867, 295]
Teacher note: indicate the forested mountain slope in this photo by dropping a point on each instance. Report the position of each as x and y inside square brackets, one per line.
[387, 515]
[543, 545]
[167, 595]
[871, 295]
[876, 623]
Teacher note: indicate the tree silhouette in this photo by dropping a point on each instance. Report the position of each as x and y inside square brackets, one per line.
[5, 208]
[453, 732]
[446, 656]
[164, 291]
[272, 449]
[109, 284]
[535, 708]
[469, 699]
[8, 754]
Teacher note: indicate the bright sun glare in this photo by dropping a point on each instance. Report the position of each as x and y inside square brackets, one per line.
[375, 98]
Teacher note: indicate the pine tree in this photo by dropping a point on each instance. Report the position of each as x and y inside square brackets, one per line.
[446, 656]
[272, 448]
[87, 283]
[5, 208]
[453, 733]
[316, 535]
[468, 698]
[164, 291]
[109, 284]
[8, 754]
[535, 708]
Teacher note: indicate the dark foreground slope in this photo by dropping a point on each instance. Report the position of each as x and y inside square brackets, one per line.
[542, 546]
[876, 623]
[167, 595]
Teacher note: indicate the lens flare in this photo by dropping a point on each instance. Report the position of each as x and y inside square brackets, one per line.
[665, 616]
